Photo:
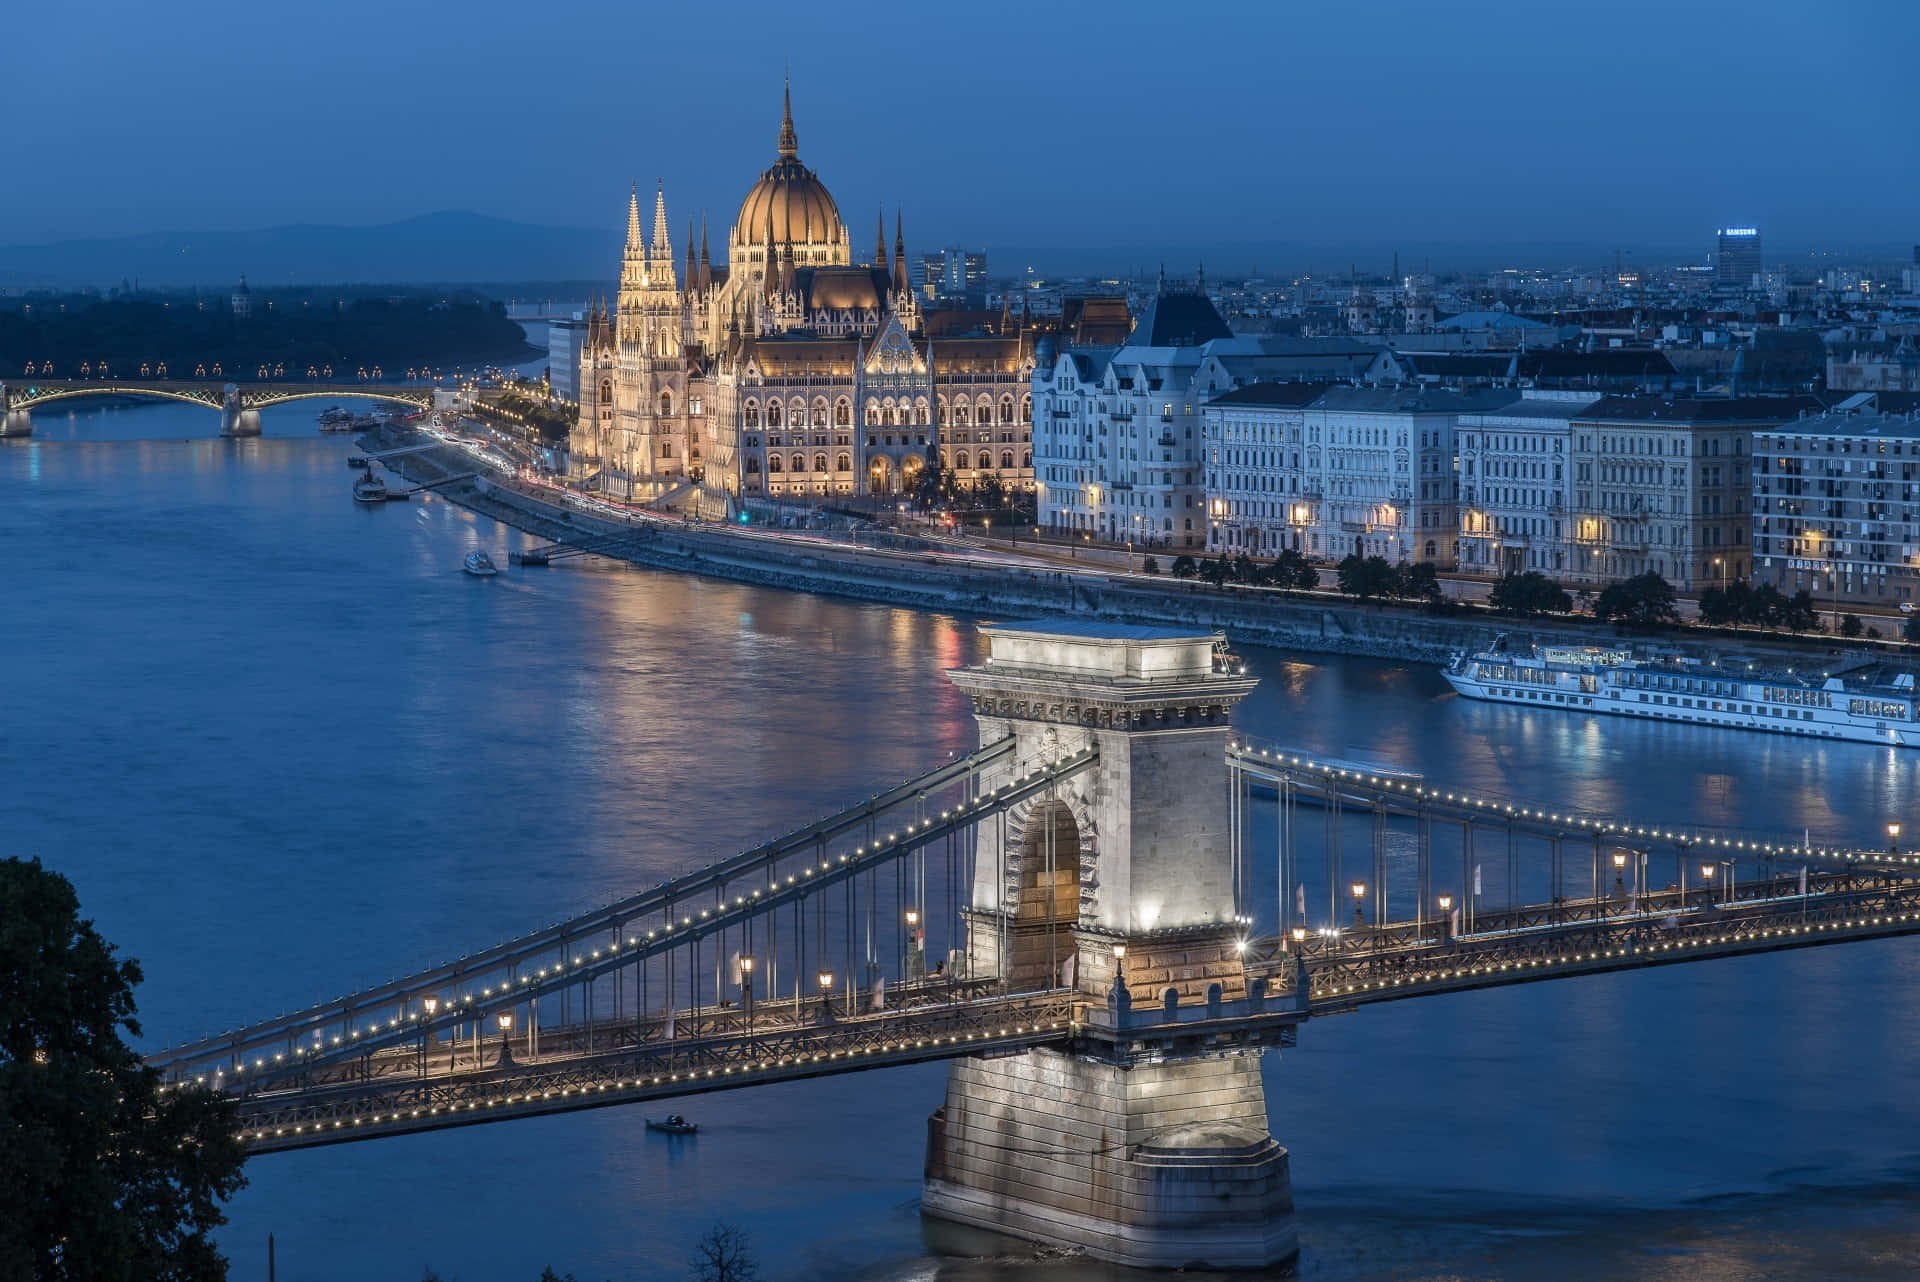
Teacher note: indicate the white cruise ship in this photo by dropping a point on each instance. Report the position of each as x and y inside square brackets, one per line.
[1866, 704]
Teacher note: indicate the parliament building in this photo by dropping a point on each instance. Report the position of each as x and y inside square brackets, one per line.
[791, 372]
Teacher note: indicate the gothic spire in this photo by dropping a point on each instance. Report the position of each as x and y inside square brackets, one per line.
[771, 281]
[706, 260]
[880, 240]
[662, 247]
[899, 254]
[789, 142]
[635, 246]
[693, 264]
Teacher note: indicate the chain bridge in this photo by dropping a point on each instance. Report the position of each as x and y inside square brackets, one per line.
[1103, 917]
[239, 404]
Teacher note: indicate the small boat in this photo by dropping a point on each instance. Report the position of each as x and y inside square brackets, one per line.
[370, 489]
[333, 418]
[354, 460]
[479, 564]
[672, 1124]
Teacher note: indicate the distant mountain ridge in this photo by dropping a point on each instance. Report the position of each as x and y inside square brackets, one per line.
[452, 245]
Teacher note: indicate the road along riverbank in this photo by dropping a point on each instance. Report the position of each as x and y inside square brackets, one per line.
[957, 581]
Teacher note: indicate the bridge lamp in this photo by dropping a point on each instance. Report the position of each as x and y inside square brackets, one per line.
[1359, 896]
[431, 1004]
[746, 971]
[913, 917]
[826, 981]
[1893, 839]
[1446, 903]
[505, 1020]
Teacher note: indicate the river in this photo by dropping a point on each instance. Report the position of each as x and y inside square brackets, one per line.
[285, 747]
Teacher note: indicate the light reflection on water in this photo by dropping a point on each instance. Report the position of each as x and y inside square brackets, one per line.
[285, 747]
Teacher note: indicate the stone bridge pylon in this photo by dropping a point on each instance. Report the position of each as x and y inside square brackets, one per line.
[1118, 884]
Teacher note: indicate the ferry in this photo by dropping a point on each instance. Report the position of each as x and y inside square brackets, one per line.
[1866, 703]
[370, 489]
[479, 564]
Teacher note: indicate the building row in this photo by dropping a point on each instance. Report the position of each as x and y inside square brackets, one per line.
[1190, 439]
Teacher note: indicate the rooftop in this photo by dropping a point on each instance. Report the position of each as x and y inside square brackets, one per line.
[1291, 395]
[1855, 423]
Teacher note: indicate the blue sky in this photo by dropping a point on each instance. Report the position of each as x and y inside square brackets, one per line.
[1035, 124]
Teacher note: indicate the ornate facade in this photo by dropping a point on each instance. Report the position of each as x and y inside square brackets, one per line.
[789, 371]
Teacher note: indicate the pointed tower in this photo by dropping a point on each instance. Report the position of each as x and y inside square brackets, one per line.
[789, 145]
[880, 241]
[706, 259]
[692, 278]
[899, 255]
[660, 249]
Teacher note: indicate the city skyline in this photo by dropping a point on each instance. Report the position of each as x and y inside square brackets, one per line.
[1287, 134]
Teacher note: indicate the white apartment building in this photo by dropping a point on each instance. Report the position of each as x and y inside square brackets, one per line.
[1516, 484]
[1118, 448]
[1256, 503]
[1378, 475]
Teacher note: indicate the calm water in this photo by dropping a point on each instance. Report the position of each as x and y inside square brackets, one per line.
[284, 746]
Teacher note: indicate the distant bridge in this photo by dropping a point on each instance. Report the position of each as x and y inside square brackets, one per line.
[239, 404]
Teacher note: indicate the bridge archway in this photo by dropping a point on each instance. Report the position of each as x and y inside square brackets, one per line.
[1049, 864]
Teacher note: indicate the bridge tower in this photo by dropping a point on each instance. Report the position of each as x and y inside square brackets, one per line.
[236, 419]
[14, 419]
[1118, 885]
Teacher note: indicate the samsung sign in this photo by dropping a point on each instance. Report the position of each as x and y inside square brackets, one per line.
[1739, 231]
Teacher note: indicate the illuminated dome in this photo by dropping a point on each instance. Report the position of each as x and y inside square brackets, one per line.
[801, 211]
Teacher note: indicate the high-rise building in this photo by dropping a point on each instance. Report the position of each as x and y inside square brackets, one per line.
[1737, 259]
[566, 340]
[952, 273]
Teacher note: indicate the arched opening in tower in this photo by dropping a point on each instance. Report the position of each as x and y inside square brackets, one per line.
[1048, 907]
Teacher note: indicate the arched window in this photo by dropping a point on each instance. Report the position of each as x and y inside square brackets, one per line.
[1026, 409]
[773, 413]
[943, 411]
[752, 414]
[873, 414]
[1006, 409]
[606, 390]
[819, 462]
[820, 413]
[960, 413]
[773, 462]
[666, 405]
[842, 413]
[1006, 459]
[753, 467]
[1429, 547]
[842, 463]
[666, 449]
[983, 413]
[961, 460]
[799, 463]
[1026, 458]
[922, 413]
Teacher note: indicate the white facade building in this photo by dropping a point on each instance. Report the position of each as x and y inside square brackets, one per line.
[1378, 471]
[566, 341]
[1516, 485]
[1259, 496]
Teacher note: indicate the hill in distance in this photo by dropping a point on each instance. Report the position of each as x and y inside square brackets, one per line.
[450, 246]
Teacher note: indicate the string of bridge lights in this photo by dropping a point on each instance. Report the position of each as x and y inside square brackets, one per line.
[466, 1007]
[1017, 1031]
[1598, 826]
[1438, 978]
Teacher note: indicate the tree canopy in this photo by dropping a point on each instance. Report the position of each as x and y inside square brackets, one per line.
[106, 1178]
[1645, 600]
[1529, 593]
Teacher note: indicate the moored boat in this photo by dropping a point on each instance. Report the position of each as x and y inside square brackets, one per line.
[370, 489]
[479, 564]
[1866, 702]
[672, 1124]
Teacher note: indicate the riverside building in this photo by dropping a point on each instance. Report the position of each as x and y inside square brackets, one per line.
[1836, 507]
[1516, 484]
[788, 371]
[1662, 485]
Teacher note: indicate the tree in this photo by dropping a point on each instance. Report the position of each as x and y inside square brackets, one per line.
[1799, 614]
[1529, 593]
[933, 483]
[1910, 630]
[724, 1255]
[1185, 567]
[1643, 601]
[1850, 626]
[1368, 577]
[1421, 582]
[989, 492]
[1291, 570]
[1150, 565]
[107, 1179]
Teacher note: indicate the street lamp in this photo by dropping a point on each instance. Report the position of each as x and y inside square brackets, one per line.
[826, 994]
[1446, 915]
[1620, 873]
[916, 946]
[505, 1020]
[1359, 896]
[746, 984]
[1893, 839]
